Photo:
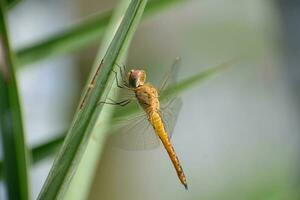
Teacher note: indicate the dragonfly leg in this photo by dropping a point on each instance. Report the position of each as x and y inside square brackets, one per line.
[124, 86]
[117, 80]
[123, 71]
[121, 103]
[123, 74]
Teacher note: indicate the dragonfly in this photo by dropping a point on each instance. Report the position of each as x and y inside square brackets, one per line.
[158, 117]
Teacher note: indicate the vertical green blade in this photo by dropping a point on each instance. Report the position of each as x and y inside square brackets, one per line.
[11, 127]
[75, 143]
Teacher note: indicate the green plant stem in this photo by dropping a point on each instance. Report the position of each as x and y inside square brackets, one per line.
[15, 154]
[43, 151]
[47, 149]
[74, 145]
[11, 3]
[70, 40]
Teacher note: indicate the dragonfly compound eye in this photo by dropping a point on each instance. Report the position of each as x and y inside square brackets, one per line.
[136, 78]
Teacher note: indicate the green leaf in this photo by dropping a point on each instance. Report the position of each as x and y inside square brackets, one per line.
[42, 151]
[80, 36]
[11, 125]
[156, 6]
[11, 3]
[74, 38]
[47, 149]
[71, 152]
[196, 79]
[88, 164]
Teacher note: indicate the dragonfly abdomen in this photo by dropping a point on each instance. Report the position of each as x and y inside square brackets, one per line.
[159, 128]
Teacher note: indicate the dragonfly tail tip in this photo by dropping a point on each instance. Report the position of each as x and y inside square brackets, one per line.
[185, 186]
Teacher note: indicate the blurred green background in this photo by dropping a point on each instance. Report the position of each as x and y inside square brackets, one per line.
[237, 135]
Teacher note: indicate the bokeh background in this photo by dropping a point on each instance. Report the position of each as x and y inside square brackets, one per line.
[237, 135]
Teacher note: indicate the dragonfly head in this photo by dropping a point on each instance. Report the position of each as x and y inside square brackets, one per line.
[136, 78]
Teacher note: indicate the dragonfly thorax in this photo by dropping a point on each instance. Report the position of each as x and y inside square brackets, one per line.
[136, 78]
[147, 97]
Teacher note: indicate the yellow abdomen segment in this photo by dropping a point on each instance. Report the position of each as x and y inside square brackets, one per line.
[159, 128]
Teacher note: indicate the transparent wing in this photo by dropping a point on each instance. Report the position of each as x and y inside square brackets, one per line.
[135, 133]
[169, 113]
[170, 106]
[171, 75]
[131, 133]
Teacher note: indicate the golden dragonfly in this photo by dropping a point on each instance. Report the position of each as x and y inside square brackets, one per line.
[158, 119]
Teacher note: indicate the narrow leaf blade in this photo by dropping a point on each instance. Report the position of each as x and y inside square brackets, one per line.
[75, 143]
[11, 125]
